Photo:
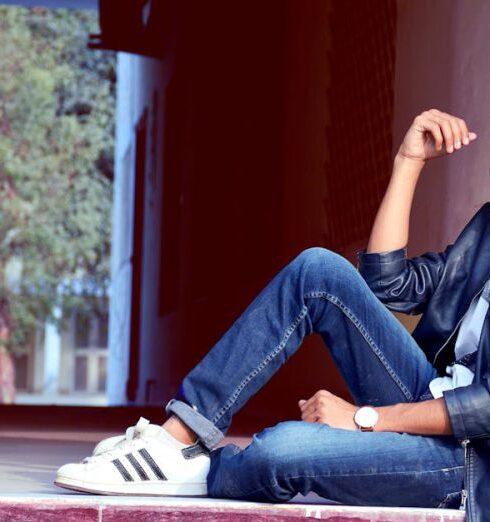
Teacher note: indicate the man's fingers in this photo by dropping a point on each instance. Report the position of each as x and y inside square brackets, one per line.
[457, 135]
[454, 129]
[435, 130]
[308, 410]
[447, 131]
[464, 130]
[305, 405]
[311, 410]
[318, 396]
[310, 417]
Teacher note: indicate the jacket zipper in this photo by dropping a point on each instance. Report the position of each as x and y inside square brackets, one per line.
[455, 328]
[464, 442]
[464, 492]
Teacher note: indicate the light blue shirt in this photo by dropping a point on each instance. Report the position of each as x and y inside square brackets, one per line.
[466, 342]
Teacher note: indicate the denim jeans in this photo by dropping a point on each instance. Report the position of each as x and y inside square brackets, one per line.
[320, 292]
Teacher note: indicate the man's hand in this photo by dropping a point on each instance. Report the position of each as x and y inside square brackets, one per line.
[429, 131]
[326, 408]
[419, 418]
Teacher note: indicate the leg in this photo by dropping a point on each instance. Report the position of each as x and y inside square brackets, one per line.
[318, 291]
[351, 467]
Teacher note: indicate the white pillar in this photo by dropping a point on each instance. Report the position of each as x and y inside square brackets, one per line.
[122, 224]
[52, 355]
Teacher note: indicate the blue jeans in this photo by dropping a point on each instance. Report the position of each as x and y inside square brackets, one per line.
[320, 292]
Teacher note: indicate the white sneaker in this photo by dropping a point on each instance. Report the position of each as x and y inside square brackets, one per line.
[151, 463]
[110, 442]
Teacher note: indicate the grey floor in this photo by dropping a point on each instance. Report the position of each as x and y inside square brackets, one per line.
[29, 459]
[28, 466]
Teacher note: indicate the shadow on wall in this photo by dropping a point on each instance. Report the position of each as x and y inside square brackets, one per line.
[276, 136]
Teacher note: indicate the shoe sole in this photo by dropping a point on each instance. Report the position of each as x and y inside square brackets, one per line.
[163, 489]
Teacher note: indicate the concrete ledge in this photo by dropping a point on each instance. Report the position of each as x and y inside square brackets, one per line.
[81, 508]
[29, 460]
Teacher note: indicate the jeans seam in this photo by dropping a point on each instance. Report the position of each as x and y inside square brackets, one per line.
[376, 350]
[341, 475]
[278, 349]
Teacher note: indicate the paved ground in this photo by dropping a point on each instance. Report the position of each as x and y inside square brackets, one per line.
[27, 466]
[28, 461]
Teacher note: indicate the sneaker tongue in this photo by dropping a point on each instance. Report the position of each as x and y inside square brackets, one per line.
[133, 431]
[157, 432]
[142, 422]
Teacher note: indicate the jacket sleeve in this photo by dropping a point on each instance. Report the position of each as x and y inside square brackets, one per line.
[403, 285]
[469, 406]
[469, 410]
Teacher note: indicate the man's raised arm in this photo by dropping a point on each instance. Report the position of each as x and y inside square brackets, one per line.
[432, 134]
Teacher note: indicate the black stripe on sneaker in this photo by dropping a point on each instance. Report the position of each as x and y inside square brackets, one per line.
[124, 472]
[153, 465]
[137, 466]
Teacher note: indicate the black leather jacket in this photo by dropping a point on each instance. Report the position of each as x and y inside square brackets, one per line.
[441, 285]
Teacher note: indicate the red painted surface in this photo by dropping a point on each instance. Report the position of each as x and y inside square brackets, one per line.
[111, 511]
[43, 512]
[277, 137]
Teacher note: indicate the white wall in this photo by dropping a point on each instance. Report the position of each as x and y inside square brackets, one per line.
[442, 62]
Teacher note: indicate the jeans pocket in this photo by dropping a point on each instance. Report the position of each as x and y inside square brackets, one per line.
[451, 501]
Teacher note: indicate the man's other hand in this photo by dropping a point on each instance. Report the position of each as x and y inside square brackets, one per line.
[326, 408]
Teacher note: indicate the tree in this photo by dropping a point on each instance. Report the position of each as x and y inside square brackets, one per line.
[57, 103]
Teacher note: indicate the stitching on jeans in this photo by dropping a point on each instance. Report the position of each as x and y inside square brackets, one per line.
[278, 349]
[275, 483]
[427, 396]
[337, 302]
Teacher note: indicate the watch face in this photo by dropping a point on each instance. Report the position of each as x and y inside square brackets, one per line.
[366, 417]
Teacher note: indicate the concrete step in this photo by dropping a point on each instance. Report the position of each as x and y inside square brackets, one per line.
[88, 508]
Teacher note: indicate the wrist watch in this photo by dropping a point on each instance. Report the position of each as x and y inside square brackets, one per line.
[366, 418]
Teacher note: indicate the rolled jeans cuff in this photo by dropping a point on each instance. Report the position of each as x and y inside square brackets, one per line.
[205, 430]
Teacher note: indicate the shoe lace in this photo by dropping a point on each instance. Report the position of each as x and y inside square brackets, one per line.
[135, 431]
[128, 443]
[125, 446]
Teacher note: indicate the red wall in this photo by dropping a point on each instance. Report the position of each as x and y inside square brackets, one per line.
[277, 137]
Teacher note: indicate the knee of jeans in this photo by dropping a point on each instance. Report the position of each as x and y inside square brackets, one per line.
[275, 444]
[316, 259]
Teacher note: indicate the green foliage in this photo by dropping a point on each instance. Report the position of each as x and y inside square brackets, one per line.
[57, 103]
